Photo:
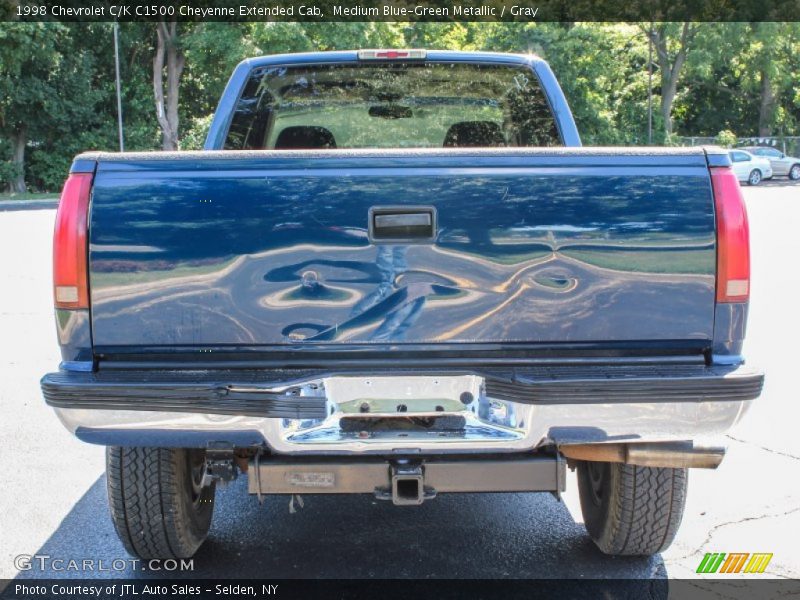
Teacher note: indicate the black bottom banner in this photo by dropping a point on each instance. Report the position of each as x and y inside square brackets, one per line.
[407, 589]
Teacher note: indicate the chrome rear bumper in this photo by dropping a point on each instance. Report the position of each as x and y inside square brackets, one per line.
[402, 414]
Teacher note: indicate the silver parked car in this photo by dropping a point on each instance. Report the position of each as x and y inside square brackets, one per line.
[782, 165]
[749, 168]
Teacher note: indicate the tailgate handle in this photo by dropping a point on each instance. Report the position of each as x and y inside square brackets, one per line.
[402, 224]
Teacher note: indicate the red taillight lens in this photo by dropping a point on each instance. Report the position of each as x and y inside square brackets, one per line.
[70, 278]
[733, 237]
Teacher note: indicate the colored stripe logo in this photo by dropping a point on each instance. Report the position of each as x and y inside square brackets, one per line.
[734, 562]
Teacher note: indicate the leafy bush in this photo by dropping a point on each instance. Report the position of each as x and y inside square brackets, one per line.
[195, 135]
[725, 138]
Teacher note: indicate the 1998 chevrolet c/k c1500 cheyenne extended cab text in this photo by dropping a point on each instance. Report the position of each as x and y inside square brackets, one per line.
[397, 272]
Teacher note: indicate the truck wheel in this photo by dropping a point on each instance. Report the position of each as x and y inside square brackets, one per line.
[630, 510]
[755, 177]
[158, 504]
[794, 172]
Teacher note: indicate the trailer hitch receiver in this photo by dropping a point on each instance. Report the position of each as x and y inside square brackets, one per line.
[408, 485]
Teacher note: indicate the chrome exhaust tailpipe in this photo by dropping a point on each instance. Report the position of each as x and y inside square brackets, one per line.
[676, 455]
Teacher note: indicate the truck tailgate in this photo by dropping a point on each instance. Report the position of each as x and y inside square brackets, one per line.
[274, 249]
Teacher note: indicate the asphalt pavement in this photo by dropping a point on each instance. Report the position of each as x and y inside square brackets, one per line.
[53, 499]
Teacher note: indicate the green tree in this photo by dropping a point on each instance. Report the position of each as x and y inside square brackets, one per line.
[601, 68]
[671, 42]
[749, 69]
[212, 51]
[767, 58]
[169, 53]
[29, 62]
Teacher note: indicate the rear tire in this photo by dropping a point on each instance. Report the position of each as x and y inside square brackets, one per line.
[794, 172]
[630, 510]
[158, 504]
[754, 178]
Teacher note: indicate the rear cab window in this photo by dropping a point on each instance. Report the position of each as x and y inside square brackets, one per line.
[392, 105]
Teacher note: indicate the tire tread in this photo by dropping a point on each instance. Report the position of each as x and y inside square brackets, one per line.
[645, 508]
[145, 497]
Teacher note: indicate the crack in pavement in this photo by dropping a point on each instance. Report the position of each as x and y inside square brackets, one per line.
[714, 529]
[741, 441]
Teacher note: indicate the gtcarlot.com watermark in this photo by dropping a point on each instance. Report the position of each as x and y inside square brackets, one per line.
[46, 562]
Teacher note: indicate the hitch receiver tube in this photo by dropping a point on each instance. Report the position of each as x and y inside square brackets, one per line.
[408, 488]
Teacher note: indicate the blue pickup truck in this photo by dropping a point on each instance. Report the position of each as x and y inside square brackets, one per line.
[397, 272]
